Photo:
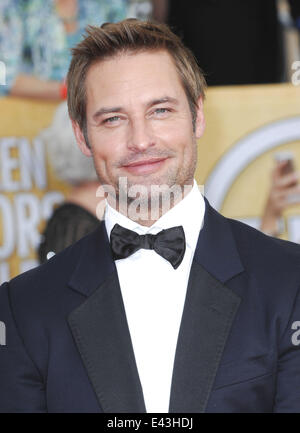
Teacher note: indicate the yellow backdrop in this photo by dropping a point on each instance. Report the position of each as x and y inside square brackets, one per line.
[245, 126]
[28, 187]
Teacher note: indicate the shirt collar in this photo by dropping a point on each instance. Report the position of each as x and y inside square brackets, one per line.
[188, 213]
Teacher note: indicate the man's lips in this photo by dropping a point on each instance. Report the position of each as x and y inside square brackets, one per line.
[146, 166]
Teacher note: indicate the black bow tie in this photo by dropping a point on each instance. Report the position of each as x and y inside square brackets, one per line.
[169, 243]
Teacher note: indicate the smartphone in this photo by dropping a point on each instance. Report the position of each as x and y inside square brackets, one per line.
[287, 169]
[286, 156]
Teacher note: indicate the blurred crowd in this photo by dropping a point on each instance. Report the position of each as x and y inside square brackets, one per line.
[234, 41]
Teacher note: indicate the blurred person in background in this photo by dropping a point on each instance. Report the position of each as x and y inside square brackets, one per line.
[235, 42]
[36, 37]
[76, 217]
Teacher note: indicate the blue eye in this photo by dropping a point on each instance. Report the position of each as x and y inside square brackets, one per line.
[111, 119]
[161, 110]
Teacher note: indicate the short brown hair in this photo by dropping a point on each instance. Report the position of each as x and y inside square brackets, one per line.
[130, 35]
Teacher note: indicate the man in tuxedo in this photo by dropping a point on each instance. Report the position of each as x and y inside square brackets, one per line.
[179, 309]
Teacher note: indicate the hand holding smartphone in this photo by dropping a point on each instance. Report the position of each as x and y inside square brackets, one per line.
[288, 174]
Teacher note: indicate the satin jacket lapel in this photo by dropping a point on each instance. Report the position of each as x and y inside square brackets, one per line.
[207, 318]
[208, 314]
[99, 327]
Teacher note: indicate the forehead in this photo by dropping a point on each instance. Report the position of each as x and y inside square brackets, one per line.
[133, 76]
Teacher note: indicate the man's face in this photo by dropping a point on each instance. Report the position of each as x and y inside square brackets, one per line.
[139, 122]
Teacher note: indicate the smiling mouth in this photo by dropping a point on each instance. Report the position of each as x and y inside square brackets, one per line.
[146, 166]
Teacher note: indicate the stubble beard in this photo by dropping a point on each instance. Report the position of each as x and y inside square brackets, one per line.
[173, 183]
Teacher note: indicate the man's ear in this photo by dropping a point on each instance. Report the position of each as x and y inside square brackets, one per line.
[80, 139]
[200, 120]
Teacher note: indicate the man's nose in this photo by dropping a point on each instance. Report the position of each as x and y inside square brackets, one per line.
[140, 136]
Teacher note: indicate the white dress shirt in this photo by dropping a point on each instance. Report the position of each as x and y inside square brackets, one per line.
[154, 294]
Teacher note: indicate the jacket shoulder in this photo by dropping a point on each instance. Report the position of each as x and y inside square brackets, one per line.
[269, 256]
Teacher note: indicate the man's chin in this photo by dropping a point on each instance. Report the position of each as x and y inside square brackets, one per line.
[164, 177]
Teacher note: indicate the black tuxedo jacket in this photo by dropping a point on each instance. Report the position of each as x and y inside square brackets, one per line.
[68, 346]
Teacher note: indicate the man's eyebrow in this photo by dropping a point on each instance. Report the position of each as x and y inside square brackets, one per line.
[163, 101]
[107, 110]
